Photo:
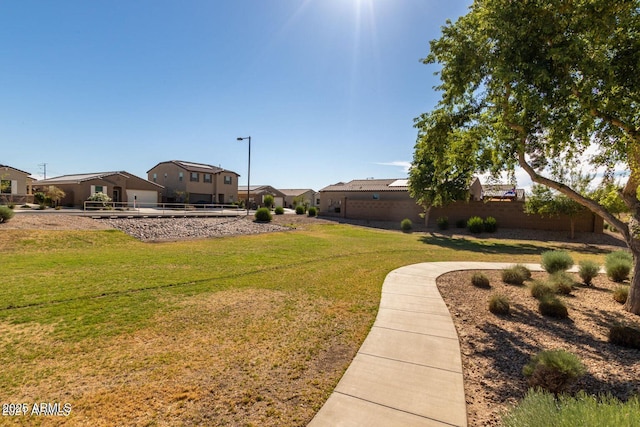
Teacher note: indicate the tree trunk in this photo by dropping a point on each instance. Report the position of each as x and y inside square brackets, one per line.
[633, 300]
[427, 211]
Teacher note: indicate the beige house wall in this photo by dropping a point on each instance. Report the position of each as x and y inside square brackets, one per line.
[20, 187]
[216, 191]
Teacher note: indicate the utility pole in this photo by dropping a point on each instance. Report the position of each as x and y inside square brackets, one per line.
[45, 169]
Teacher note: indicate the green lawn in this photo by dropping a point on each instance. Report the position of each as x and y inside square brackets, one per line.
[251, 330]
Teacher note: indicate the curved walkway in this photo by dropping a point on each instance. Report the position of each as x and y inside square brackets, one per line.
[408, 371]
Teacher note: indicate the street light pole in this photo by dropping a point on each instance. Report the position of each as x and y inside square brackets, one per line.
[248, 170]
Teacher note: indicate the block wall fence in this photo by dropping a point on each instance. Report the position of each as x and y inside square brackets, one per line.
[509, 214]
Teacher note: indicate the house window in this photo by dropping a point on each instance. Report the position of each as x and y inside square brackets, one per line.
[98, 188]
[5, 186]
[207, 177]
[155, 177]
[180, 176]
[227, 179]
[195, 177]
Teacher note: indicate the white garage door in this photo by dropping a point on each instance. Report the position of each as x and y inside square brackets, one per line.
[143, 198]
[278, 202]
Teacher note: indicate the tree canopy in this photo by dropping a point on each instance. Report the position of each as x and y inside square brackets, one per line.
[537, 84]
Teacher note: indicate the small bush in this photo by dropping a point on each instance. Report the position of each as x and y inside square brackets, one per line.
[406, 225]
[551, 306]
[490, 224]
[524, 270]
[625, 336]
[553, 261]
[268, 201]
[299, 210]
[313, 211]
[5, 214]
[461, 223]
[588, 271]
[512, 276]
[620, 294]
[475, 225]
[542, 409]
[553, 370]
[540, 289]
[279, 210]
[499, 304]
[480, 280]
[11, 205]
[443, 223]
[561, 282]
[618, 265]
[263, 215]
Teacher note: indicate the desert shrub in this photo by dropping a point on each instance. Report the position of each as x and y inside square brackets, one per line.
[480, 280]
[553, 370]
[490, 224]
[588, 271]
[461, 223]
[443, 222]
[620, 294]
[539, 289]
[512, 276]
[561, 282]
[39, 197]
[299, 210]
[11, 205]
[475, 225]
[553, 261]
[5, 214]
[499, 304]
[618, 265]
[279, 210]
[625, 336]
[406, 225]
[263, 215]
[313, 211]
[524, 270]
[542, 409]
[551, 306]
[268, 200]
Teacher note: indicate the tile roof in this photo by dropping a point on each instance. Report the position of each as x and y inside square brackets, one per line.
[295, 191]
[392, 184]
[15, 169]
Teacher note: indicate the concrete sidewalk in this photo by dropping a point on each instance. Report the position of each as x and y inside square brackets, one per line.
[408, 371]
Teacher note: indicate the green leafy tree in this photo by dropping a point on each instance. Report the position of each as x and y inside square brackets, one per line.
[537, 84]
[268, 201]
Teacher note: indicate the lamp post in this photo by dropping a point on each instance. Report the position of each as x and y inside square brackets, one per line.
[248, 169]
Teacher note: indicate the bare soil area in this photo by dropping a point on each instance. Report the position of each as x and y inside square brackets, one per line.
[496, 348]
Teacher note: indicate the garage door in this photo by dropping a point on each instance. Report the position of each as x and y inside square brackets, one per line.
[278, 202]
[143, 198]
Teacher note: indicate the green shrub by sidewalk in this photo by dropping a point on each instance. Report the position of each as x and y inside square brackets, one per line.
[313, 211]
[475, 225]
[621, 293]
[551, 306]
[553, 370]
[490, 224]
[540, 409]
[5, 214]
[561, 282]
[588, 271]
[513, 276]
[263, 215]
[618, 265]
[480, 280]
[553, 261]
[279, 210]
[499, 304]
[299, 210]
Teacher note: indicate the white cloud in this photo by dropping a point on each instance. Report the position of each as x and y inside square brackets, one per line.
[401, 164]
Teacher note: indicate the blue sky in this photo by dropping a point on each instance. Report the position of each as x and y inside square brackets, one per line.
[327, 89]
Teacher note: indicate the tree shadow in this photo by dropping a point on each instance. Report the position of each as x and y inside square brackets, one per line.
[483, 246]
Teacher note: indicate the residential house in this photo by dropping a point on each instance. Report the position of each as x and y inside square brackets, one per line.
[295, 197]
[257, 193]
[389, 200]
[15, 185]
[195, 182]
[122, 187]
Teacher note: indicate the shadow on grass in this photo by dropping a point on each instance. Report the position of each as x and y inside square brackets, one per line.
[484, 246]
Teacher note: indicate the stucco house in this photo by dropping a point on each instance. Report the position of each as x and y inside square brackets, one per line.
[123, 188]
[193, 182]
[15, 185]
[293, 197]
[257, 193]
